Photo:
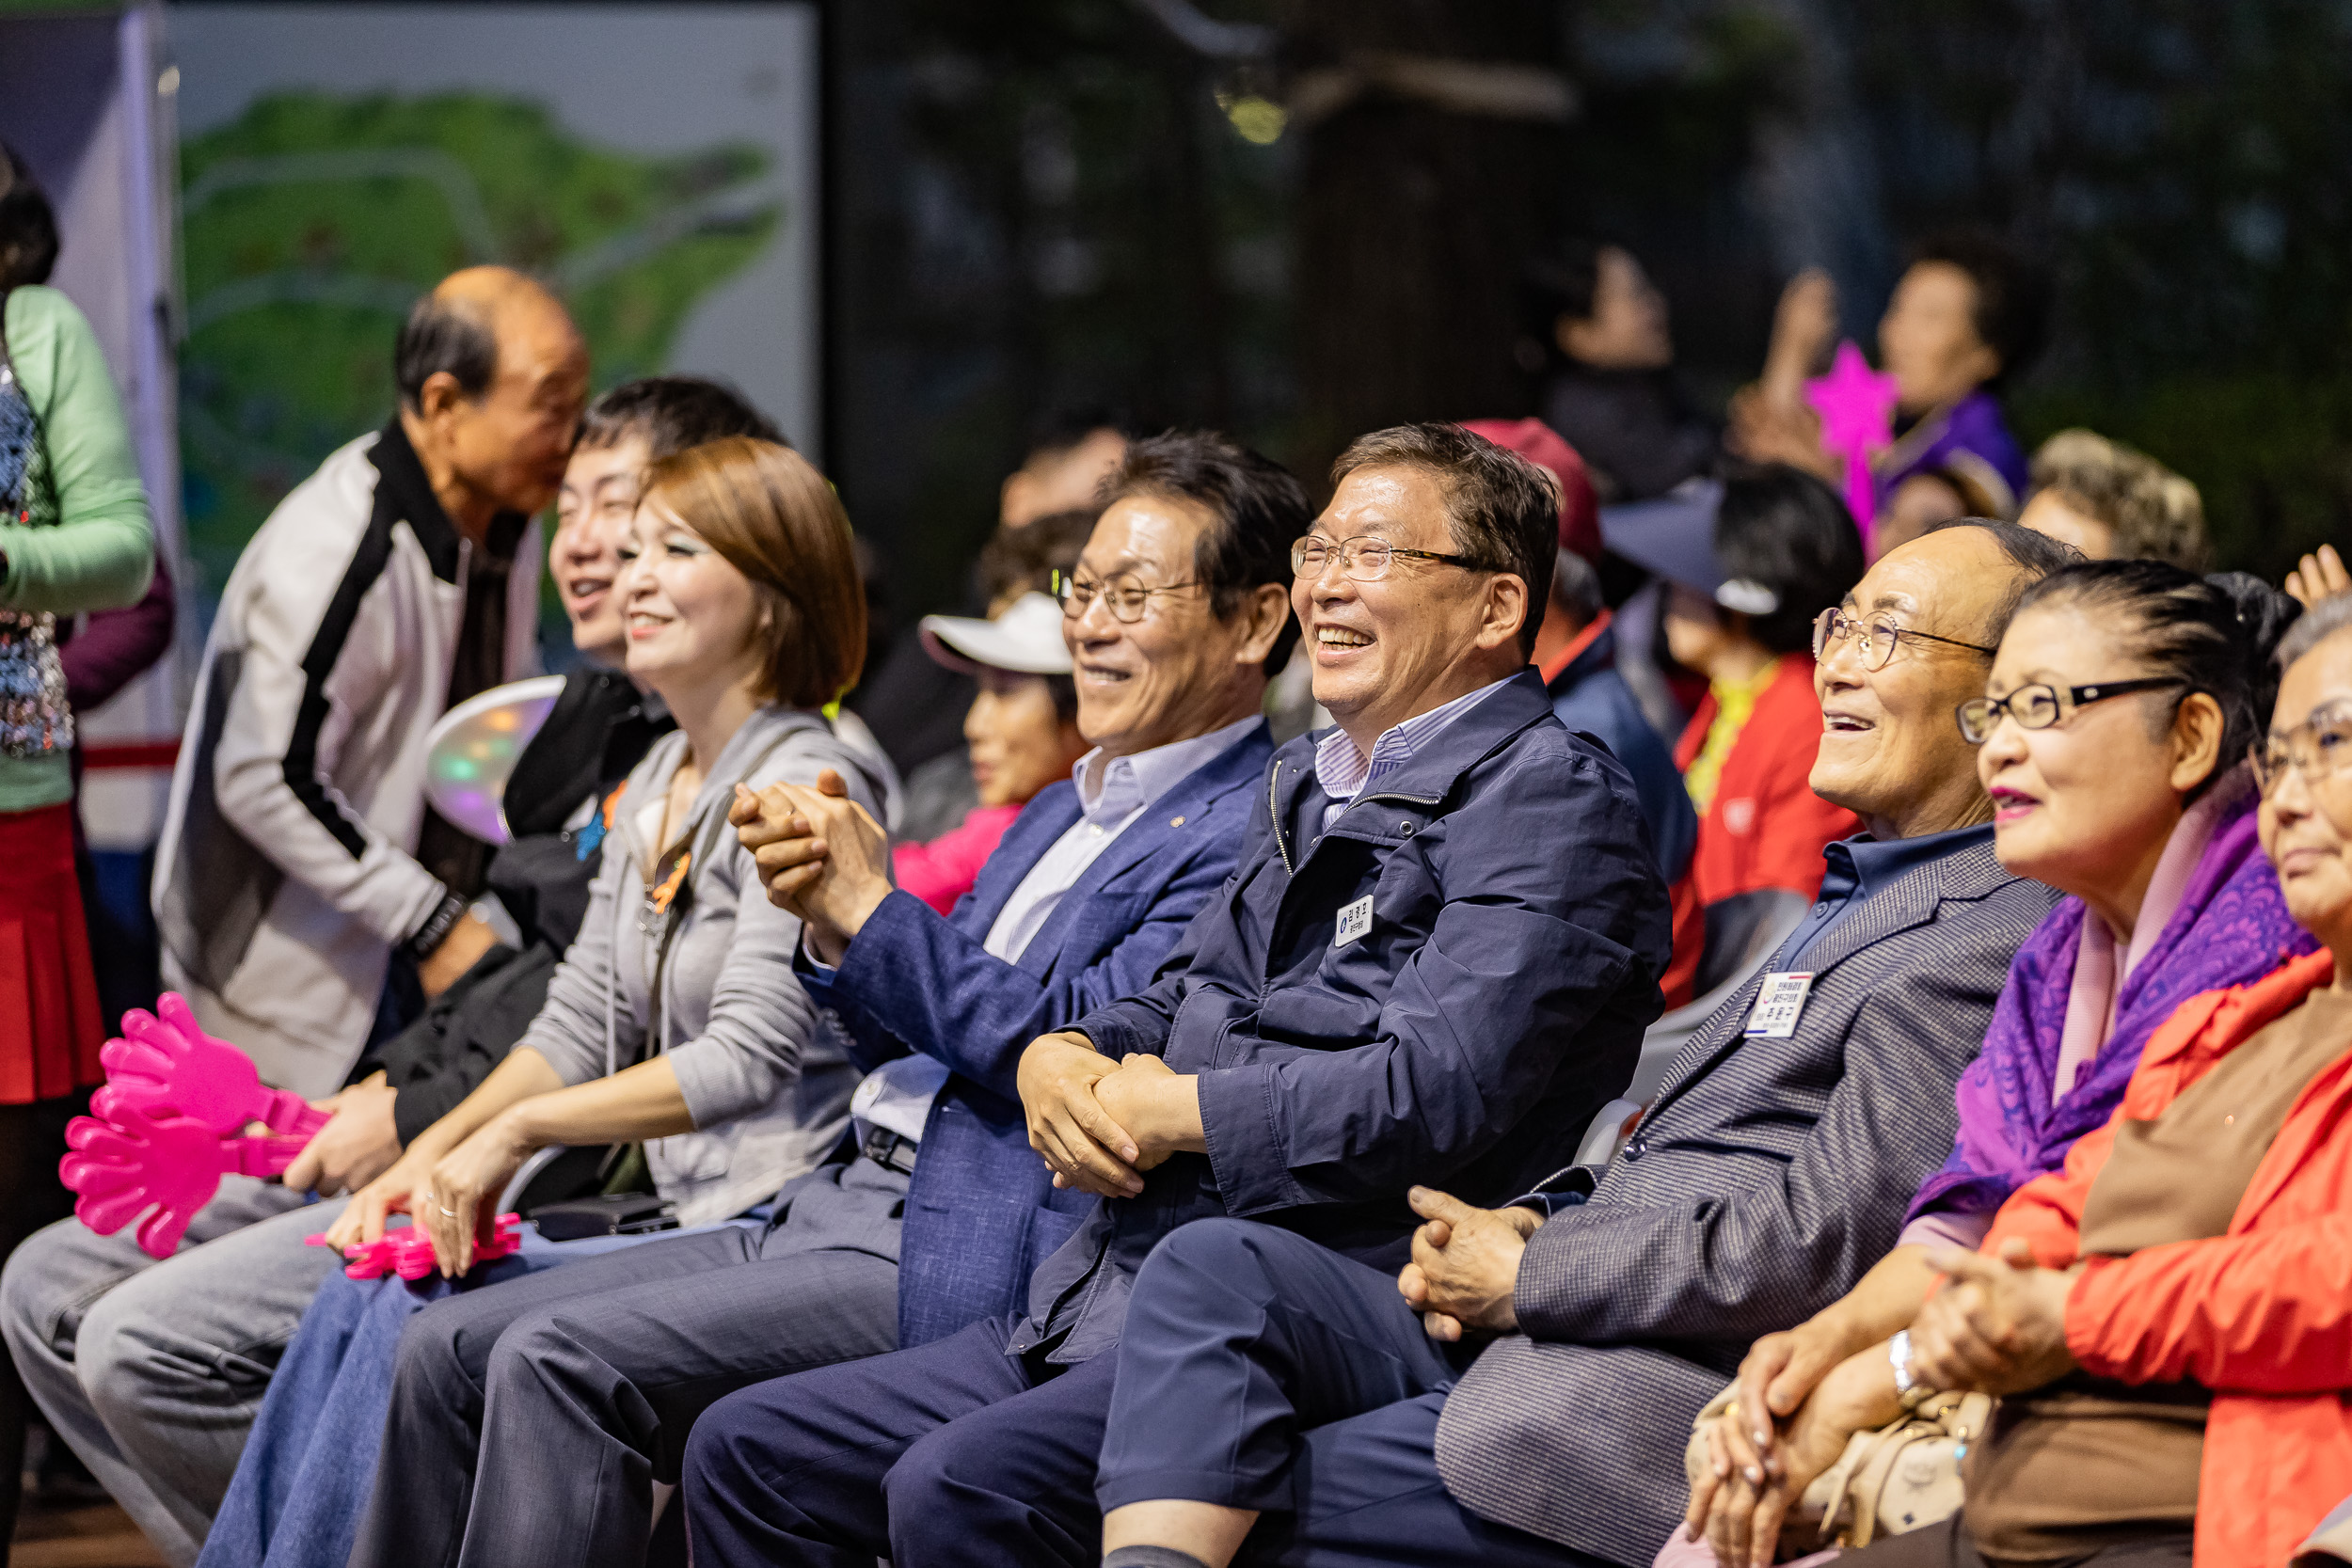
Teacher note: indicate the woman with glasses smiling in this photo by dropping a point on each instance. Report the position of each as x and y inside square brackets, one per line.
[2166, 1322]
[2117, 714]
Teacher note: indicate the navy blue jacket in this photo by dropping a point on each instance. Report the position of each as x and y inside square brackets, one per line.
[981, 1208]
[1590, 696]
[1519, 929]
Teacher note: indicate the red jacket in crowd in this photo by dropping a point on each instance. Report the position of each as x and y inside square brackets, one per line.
[2262, 1315]
[1765, 826]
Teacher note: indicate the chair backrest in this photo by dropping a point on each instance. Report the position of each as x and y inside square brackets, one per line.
[1742, 931]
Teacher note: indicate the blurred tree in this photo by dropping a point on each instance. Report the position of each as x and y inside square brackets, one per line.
[1303, 218]
[1432, 171]
[1040, 206]
[2189, 168]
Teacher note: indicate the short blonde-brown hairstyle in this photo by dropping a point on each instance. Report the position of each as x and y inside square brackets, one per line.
[2154, 514]
[773, 518]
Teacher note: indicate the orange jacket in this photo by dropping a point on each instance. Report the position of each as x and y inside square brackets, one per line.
[2261, 1316]
[1765, 828]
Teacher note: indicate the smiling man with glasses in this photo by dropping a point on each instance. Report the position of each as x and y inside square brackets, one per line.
[1432, 963]
[1521, 1392]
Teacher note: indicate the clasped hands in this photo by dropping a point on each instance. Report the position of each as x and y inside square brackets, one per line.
[823, 856]
[1996, 1326]
[1101, 1124]
[1465, 1270]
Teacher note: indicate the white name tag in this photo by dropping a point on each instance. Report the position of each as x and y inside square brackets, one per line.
[1778, 1004]
[1355, 921]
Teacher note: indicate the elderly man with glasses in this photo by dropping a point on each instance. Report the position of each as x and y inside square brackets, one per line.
[1335, 1414]
[1435, 962]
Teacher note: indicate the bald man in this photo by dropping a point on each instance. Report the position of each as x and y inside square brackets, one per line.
[309, 899]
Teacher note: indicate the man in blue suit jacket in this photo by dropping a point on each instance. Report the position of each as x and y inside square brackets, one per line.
[981, 1209]
[1176, 613]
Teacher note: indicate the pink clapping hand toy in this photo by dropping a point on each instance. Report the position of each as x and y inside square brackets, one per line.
[169, 1063]
[162, 1136]
[410, 1253]
[120, 1167]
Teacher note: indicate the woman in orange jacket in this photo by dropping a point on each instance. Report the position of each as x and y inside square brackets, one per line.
[2168, 1318]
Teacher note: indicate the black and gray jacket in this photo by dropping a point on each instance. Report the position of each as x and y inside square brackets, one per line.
[286, 871]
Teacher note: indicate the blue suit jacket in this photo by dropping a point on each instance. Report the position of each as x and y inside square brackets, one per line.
[982, 1210]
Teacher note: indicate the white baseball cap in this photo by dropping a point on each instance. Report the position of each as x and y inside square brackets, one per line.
[1026, 639]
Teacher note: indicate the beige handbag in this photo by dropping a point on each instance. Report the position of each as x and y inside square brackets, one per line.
[1900, 1477]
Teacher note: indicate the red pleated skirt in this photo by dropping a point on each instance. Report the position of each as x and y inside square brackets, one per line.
[49, 1028]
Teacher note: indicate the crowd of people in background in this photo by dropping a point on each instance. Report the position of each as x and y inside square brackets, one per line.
[1561, 998]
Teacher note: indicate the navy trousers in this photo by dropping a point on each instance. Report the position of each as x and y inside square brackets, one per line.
[1258, 1370]
[949, 1453]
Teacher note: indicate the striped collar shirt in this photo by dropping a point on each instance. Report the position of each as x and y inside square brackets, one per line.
[1344, 772]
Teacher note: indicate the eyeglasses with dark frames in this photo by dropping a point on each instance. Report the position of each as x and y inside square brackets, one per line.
[1365, 559]
[1127, 598]
[1876, 640]
[2041, 704]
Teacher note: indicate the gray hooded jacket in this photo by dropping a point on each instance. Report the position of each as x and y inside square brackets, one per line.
[766, 1078]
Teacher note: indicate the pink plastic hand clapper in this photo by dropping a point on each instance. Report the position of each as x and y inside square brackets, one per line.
[122, 1168]
[168, 1063]
[410, 1253]
[163, 1133]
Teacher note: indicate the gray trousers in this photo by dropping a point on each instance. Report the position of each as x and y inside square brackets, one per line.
[153, 1372]
[536, 1415]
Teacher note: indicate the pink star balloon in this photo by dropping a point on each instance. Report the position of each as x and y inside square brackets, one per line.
[1857, 409]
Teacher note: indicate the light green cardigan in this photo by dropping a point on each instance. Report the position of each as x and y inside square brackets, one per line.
[100, 551]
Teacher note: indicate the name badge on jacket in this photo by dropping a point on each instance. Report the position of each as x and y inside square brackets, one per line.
[1778, 1004]
[1355, 921]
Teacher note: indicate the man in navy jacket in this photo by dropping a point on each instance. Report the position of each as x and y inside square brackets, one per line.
[1435, 959]
[507, 1398]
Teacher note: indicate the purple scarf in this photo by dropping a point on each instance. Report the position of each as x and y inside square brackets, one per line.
[2231, 928]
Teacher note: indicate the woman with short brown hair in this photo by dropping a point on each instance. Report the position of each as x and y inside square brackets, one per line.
[675, 1019]
[775, 519]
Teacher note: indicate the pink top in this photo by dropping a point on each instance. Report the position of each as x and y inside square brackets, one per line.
[2098, 981]
[944, 870]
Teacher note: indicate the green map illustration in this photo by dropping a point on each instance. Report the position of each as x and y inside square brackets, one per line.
[311, 223]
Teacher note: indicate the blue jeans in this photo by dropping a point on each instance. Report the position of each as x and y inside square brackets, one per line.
[306, 1472]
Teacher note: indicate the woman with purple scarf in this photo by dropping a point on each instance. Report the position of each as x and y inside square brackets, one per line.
[2125, 696]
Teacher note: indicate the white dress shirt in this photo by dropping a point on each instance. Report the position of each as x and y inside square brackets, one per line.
[1113, 794]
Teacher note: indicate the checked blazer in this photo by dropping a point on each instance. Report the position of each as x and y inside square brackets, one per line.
[1767, 1178]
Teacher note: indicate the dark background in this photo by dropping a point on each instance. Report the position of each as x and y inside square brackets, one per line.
[1040, 204]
